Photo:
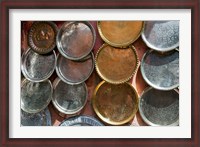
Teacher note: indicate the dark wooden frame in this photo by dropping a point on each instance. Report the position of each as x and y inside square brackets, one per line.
[89, 4]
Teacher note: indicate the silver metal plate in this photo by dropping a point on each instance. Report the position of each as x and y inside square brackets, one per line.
[161, 35]
[159, 108]
[36, 67]
[69, 99]
[74, 72]
[43, 118]
[35, 96]
[81, 121]
[161, 70]
[75, 40]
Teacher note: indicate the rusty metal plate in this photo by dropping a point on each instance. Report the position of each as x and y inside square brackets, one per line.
[116, 65]
[115, 104]
[120, 33]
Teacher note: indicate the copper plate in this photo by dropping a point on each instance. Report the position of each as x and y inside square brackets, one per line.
[115, 104]
[159, 108]
[75, 40]
[42, 36]
[120, 33]
[116, 65]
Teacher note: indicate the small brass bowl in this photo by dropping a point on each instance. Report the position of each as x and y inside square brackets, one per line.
[120, 33]
[115, 104]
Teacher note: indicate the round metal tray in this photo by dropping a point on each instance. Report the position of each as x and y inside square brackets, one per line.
[81, 121]
[116, 65]
[161, 35]
[115, 104]
[161, 70]
[120, 33]
[36, 67]
[35, 96]
[75, 40]
[159, 108]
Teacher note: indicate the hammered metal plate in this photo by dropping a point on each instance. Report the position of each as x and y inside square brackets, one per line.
[75, 40]
[116, 65]
[161, 70]
[81, 121]
[120, 33]
[161, 35]
[159, 108]
[74, 72]
[67, 98]
[115, 104]
[35, 96]
[43, 118]
[42, 36]
[36, 67]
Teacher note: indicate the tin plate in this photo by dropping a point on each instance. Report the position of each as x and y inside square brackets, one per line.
[42, 36]
[161, 70]
[116, 65]
[43, 118]
[159, 108]
[115, 104]
[74, 72]
[67, 98]
[75, 40]
[161, 35]
[81, 121]
[36, 67]
[35, 96]
[120, 33]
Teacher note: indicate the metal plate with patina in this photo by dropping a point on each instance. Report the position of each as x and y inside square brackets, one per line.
[81, 121]
[67, 98]
[43, 118]
[75, 40]
[159, 108]
[74, 72]
[42, 36]
[161, 35]
[115, 104]
[161, 70]
[120, 33]
[35, 96]
[116, 65]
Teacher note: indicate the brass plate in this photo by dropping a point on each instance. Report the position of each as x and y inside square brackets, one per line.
[120, 33]
[115, 104]
[116, 65]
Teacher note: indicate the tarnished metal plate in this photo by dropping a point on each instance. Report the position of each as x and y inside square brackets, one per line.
[43, 118]
[67, 98]
[75, 40]
[74, 72]
[35, 96]
[161, 35]
[81, 121]
[159, 108]
[36, 67]
[161, 70]
[115, 104]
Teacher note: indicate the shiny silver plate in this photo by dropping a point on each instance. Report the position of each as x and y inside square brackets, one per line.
[35, 96]
[36, 67]
[161, 70]
[81, 121]
[161, 35]
[75, 40]
[74, 72]
[43, 118]
[67, 98]
[159, 108]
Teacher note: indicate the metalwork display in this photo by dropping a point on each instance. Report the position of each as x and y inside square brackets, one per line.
[161, 35]
[159, 108]
[75, 40]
